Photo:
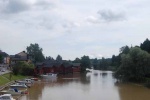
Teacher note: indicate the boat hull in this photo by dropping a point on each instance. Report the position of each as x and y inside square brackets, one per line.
[47, 76]
[12, 93]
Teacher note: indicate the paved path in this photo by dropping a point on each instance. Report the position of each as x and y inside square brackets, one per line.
[6, 71]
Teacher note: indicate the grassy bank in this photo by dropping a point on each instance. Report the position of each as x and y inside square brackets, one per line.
[5, 78]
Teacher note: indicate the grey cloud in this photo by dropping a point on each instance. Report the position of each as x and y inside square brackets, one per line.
[14, 6]
[109, 16]
[45, 4]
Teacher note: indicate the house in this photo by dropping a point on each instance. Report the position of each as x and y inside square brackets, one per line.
[59, 67]
[76, 67]
[22, 56]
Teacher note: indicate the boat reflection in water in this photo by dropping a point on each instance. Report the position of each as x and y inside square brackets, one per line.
[86, 87]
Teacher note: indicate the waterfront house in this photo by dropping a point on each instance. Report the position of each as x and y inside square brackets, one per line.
[76, 67]
[59, 67]
[22, 56]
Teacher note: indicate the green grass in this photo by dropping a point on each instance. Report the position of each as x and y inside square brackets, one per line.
[3, 81]
[5, 78]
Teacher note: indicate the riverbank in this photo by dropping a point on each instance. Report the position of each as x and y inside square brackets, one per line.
[9, 78]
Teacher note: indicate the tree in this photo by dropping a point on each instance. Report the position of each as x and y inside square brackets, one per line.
[77, 60]
[23, 68]
[85, 63]
[134, 66]
[145, 45]
[116, 61]
[59, 58]
[124, 50]
[95, 63]
[50, 58]
[104, 64]
[36, 52]
[1, 58]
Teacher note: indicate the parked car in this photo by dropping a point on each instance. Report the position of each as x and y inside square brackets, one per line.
[3, 70]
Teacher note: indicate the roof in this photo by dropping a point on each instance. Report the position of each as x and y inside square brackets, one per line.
[76, 64]
[19, 59]
[39, 63]
[50, 63]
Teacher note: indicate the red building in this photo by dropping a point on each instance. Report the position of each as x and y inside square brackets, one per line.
[76, 67]
[63, 67]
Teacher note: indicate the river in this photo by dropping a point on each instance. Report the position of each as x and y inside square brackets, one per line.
[95, 85]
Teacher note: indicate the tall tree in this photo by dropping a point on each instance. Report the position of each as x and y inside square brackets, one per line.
[124, 50]
[1, 58]
[95, 63]
[116, 61]
[103, 64]
[145, 45]
[134, 66]
[85, 63]
[77, 60]
[59, 58]
[36, 52]
[50, 58]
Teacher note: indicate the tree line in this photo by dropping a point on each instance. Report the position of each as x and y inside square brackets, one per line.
[133, 63]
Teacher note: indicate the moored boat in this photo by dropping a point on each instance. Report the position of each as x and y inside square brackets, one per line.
[6, 97]
[27, 82]
[49, 75]
[14, 91]
[18, 85]
[34, 79]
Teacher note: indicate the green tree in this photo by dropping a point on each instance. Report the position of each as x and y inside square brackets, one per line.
[77, 60]
[124, 50]
[145, 45]
[59, 58]
[103, 64]
[36, 52]
[85, 63]
[134, 66]
[1, 58]
[23, 68]
[116, 60]
[95, 63]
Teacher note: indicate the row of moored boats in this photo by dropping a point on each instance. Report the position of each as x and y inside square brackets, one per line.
[19, 88]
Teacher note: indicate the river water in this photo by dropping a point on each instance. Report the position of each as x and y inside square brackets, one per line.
[95, 85]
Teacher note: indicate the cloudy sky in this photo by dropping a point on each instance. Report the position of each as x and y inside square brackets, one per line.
[73, 28]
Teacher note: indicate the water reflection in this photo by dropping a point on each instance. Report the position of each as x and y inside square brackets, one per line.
[89, 86]
[133, 92]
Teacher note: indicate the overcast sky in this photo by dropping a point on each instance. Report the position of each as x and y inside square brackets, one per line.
[73, 28]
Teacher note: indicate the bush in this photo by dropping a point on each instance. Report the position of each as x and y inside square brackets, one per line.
[23, 68]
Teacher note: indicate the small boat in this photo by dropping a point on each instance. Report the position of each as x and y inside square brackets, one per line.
[6, 97]
[27, 82]
[34, 79]
[18, 85]
[14, 91]
[49, 75]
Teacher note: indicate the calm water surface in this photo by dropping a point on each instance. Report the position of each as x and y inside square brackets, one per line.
[97, 85]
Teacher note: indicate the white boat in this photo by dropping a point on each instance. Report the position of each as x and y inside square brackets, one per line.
[34, 79]
[14, 92]
[27, 82]
[18, 85]
[49, 75]
[6, 97]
